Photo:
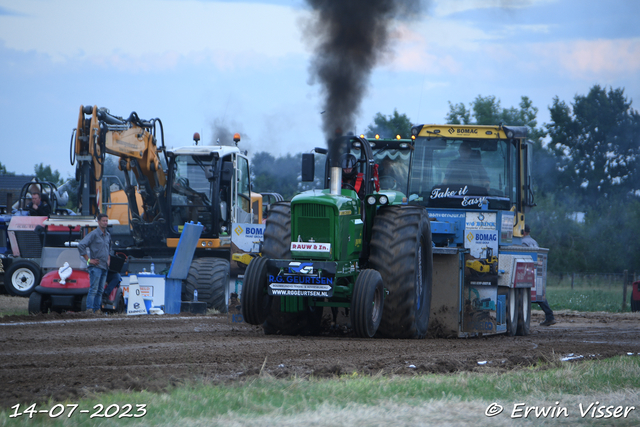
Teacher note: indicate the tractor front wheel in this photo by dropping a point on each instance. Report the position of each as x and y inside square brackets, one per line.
[256, 303]
[277, 245]
[367, 302]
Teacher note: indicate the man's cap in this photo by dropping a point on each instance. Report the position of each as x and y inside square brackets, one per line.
[527, 229]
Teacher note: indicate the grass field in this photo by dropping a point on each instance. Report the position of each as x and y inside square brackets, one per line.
[560, 393]
[10, 305]
[595, 393]
[600, 294]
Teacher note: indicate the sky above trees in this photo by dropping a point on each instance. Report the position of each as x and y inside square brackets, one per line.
[219, 67]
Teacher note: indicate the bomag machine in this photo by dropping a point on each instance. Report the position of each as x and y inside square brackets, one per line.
[476, 183]
[429, 245]
[163, 190]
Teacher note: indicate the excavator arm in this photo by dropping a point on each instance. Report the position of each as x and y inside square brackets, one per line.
[132, 140]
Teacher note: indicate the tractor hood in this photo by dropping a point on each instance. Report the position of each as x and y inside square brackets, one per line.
[321, 224]
[345, 202]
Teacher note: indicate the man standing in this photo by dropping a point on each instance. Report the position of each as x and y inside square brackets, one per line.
[529, 241]
[99, 244]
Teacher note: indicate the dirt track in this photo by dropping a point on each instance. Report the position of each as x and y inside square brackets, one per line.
[70, 355]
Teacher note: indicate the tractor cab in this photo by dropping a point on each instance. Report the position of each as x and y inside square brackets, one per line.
[349, 165]
[392, 158]
[381, 165]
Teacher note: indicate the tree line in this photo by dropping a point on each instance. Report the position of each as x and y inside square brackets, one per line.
[586, 174]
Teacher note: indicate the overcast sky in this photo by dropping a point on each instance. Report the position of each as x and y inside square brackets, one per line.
[243, 65]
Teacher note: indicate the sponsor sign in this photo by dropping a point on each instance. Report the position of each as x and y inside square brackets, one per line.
[480, 309]
[300, 287]
[480, 221]
[145, 291]
[135, 300]
[310, 247]
[308, 280]
[247, 237]
[301, 267]
[477, 241]
[443, 216]
[480, 283]
[525, 276]
[507, 227]
[293, 285]
[299, 293]
[463, 131]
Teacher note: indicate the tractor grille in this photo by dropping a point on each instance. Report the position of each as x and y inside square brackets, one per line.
[312, 211]
[313, 223]
[29, 244]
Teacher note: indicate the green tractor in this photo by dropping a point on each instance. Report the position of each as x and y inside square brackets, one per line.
[354, 246]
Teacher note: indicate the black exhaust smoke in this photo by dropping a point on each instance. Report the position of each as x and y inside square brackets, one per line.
[350, 37]
[221, 134]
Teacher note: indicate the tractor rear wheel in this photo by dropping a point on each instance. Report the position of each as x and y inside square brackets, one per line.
[277, 232]
[367, 302]
[524, 311]
[401, 251]
[22, 278]
[37, 303]
[210, 276]
[277, 245]
[512, 312]
[256, 303]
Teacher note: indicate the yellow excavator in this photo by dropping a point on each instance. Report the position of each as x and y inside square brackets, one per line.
[163, 190]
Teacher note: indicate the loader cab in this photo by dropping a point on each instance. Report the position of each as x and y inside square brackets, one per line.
[210, 185]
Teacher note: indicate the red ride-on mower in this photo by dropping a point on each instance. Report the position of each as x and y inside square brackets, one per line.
[60, 291]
